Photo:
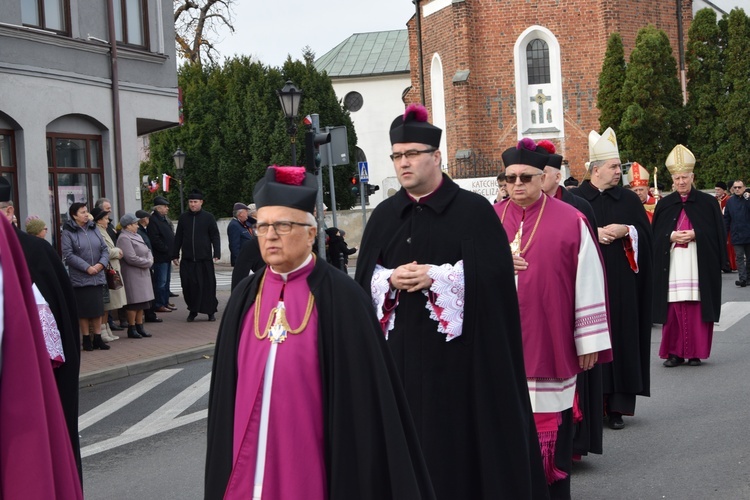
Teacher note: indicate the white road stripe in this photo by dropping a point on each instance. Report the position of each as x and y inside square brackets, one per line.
[731, 313]
[124, 398]
[164, 419]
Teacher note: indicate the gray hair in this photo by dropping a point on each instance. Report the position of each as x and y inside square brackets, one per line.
[102, 201]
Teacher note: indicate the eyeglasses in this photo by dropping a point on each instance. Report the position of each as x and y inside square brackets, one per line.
[525, 178]
[411, 154]
[281, 227]
[736, 187]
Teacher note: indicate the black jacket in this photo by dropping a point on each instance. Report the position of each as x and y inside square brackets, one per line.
[161, 234]
[737, 219]
[196, 233]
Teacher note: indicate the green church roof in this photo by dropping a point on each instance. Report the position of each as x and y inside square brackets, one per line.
[368, 54]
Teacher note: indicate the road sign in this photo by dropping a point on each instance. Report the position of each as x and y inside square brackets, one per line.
[364, 176]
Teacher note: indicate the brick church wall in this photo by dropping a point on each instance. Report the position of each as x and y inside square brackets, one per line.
[479, 36]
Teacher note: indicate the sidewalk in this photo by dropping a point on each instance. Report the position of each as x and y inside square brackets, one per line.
[174, 340]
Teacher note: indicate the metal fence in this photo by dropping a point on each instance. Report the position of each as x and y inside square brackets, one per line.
[474, 166]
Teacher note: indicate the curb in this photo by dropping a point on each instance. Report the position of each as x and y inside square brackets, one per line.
[146, 365]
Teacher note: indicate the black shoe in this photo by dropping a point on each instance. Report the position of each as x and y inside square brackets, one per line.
[191, 317]
[87, 346]
[694, 362]
[741, 283]
[615, 421]
[673, 361]
[211, 317]
[98, 343]
[114, 327]
[153, 320]
[124, 324]
[174, 294]
[141, 331]
[133, 333]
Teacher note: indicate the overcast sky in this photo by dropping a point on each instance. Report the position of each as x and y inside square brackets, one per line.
[269, 31]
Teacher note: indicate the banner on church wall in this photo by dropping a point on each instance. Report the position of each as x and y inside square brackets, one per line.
[484, 186]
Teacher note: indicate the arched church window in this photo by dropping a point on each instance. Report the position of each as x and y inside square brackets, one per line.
[537, 62]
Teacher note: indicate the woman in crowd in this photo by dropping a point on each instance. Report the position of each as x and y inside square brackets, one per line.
[36, 227]
[86, 255]
[136, 274]
[116, 297]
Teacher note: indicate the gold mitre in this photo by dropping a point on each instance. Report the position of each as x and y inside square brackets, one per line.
[637, 176]
[603, 147]
[680, 160]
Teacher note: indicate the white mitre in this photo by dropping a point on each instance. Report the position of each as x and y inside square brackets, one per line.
[603, 147]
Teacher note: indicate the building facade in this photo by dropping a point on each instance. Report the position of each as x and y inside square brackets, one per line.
[503, 70]
[80, 82]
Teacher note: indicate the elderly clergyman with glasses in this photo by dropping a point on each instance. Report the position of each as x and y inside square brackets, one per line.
[562, 299]
[436, 261]
[304, 398]
[624, 235]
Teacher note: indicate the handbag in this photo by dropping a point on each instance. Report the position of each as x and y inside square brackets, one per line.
[114, 280]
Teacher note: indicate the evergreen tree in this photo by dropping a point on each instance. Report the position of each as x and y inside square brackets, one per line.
[705, 92]
[611, 80]
[654, 118]
[734, 152]
[234, 128]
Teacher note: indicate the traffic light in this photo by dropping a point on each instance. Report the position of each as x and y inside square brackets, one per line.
[371, 188]
[355, 186]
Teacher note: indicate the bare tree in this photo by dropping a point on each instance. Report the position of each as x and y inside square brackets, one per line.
[195, 27]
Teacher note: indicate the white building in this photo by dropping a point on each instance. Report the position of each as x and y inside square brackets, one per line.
[370, 73]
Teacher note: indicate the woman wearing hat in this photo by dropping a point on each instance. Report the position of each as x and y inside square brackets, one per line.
[116, 297]
[136, 274]
[87, 257]
[36, 227]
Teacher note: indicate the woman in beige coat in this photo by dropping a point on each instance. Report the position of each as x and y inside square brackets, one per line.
[116, 297]
[137, 260]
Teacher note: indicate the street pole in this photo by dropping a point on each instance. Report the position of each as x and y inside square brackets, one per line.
[329, 150]
[362, 187]
[293, 138]
[310, 154]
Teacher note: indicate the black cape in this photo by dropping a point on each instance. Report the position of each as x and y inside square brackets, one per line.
[588, 437]
[469, 396]
[49, 275]
[710, 238]
[629, 293]
[248, 260]
[367, 421]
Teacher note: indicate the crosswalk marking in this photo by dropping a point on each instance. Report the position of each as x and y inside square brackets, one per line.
[163, 419]
[124, 398]
[731, 313]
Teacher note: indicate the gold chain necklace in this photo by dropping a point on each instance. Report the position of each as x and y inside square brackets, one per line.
[281, 313]
[533, 231]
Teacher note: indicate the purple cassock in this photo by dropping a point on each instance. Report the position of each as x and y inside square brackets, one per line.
[36, 455]
[293, 398]
[562, 297]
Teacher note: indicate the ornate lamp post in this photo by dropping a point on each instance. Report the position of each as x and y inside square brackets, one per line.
[290, 96]
[179, 164]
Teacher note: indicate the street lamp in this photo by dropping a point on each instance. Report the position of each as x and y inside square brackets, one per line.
[179, 164]
[290, 96]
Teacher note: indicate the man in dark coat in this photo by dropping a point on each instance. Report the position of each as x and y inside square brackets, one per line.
[434, 245]
[625, 242]
[161, 234]
[737, 222]
[196, 234]
[239, 230]
[689, 251]
[317, 413]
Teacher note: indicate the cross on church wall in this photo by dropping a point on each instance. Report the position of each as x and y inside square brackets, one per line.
[540, 99]
[489, 104]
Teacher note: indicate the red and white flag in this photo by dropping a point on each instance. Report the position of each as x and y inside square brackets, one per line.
[165, 182]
